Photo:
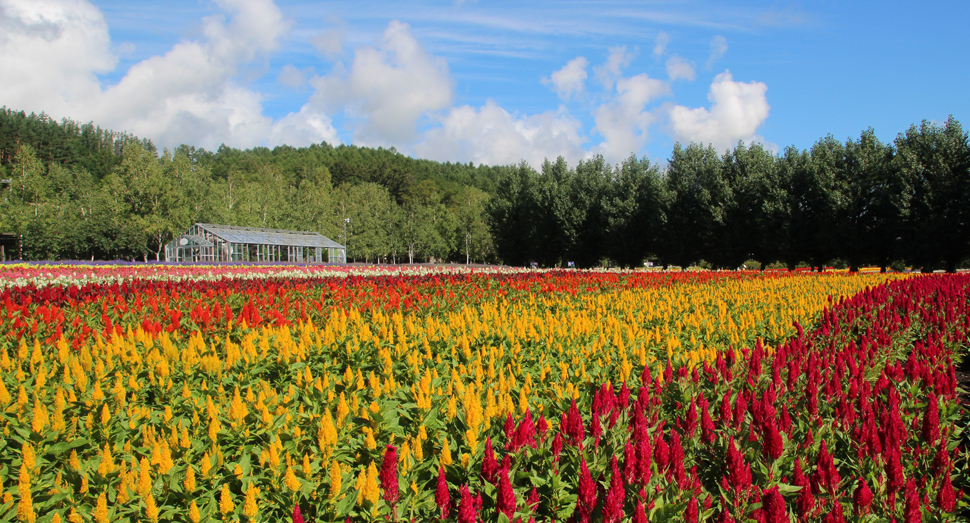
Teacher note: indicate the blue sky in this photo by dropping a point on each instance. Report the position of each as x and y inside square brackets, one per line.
[492, 82]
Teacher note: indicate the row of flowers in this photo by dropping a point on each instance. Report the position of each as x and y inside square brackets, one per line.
[244, 399]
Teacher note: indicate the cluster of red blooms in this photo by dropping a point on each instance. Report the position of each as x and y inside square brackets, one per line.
[826, 425]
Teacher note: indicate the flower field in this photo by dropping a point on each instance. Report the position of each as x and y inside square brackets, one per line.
[161, 393]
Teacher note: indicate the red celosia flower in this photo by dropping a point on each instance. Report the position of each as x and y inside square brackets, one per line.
[556, 446]
[862, 498]
[489, 465]
[505, 502]
[525, 435]
[586, 500]
[661, 452]
[912, 512]
[644, 460]
[946, 498]
[931, 421]
[388, 476]
[894, 470]
[629, 463]
[707, 426]
[441, 495]
[941, 462]
[613, 506]
[533, 500]
[573, 425]
[691, 419]
[805, 501]
[773, 506]
[677, 459]
[639, 515]
[596, 428]
[835, 515]
[771, 443]
[297, 517]
[467, 507]
[690, 514]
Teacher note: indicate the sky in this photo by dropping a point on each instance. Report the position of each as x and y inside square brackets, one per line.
[490, 82]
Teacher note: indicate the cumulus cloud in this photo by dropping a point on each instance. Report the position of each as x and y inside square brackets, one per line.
[53, 50]
[190, 94]
[570, 80]
[387, 88]
[291, 76]
[330, 43]
[719, 46]
[661, 44]
[737, 110]
[624, 121]
[491, 135]
[607, 73]
[678, 68]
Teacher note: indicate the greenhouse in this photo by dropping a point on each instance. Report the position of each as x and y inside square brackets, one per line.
[206, 242]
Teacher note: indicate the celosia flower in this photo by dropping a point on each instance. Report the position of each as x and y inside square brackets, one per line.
[771, 443]
[586, 499]
[862, 498]
[489, 465]
[773, 506]
[441, 494]
[297, 517]
[505, 502]
[572, 425]
[690, 514]
[946, 498]
[912, 511]
[613, 505]
[388, 476]
[467, 507]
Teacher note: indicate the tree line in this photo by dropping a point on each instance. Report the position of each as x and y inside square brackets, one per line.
[858, 202]
[76, 191]
[80, 192]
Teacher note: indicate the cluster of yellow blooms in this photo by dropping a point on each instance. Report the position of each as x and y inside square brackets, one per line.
[140, 424]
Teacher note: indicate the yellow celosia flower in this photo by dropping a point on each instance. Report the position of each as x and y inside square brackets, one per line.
[25, 507]
[225, 500]
[342, 410]
[101, 509]
[290, 480]
[28, 456]
[372, 491]
[194, 515]
[151, 510]
[189, 482]
[306, 466]
[334, 479]
[250, 508]
[445, 453]
[144, 478]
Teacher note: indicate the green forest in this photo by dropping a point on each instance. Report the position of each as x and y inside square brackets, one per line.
[77, 191]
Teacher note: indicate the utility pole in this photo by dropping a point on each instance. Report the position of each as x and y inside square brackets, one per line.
[346, 221]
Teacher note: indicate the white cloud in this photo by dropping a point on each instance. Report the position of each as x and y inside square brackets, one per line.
[491, 135]
[661, 44]
[611, 70]
[737, 110]
[291, 76]
[570, 80]
[624, 121]
[719, 46]
[191, 94]
[678, 68]
[50, 53]
[330, 43]
[387, 88]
